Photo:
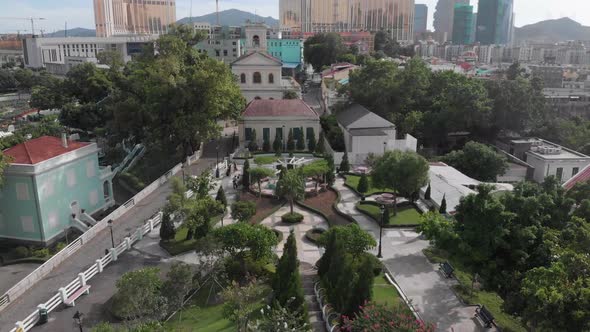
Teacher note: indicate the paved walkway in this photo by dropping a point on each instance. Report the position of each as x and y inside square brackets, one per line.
[85, 256]
[429, 291]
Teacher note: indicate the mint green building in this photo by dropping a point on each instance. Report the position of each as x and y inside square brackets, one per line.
[51, 185]
[289, 51]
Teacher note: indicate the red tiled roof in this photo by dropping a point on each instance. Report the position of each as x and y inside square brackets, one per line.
[40, 149]
[581, 177]
[279, 107]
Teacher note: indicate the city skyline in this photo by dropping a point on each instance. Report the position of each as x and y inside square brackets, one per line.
[80, 13]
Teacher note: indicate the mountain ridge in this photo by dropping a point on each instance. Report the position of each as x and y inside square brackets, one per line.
[231, 17]
[556, 30]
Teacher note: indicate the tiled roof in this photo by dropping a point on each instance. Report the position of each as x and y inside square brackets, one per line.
[279, 107]
[581, 177]
[40, 149]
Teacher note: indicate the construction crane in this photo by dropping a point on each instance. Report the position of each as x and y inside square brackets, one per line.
[32, 19]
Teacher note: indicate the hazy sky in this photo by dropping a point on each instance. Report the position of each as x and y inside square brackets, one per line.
[79, 13]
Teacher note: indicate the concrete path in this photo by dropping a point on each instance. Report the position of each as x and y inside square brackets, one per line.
[429, 292]
[85, 256]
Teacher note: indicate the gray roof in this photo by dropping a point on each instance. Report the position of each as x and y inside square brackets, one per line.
[367, 132]
[358, 117]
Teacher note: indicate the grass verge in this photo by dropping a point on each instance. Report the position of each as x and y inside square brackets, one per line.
[406, 215]
[491, 300]
[180, 244]
[353, 181]
[265, 160]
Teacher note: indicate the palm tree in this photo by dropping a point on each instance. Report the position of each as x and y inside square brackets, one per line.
[291, 187]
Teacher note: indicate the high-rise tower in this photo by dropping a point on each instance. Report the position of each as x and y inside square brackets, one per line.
[494, 22]
[133, 17]
[444, 18]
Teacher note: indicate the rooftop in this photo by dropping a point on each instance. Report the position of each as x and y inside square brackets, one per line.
[581, 177]
[40, 149]
[549, 150]
[358, 117]
[279, 107]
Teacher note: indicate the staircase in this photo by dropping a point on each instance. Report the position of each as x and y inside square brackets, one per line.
[309, 277]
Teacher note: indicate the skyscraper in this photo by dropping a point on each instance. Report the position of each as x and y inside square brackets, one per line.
[463, 24]
[420, 18]
[494, 21]
[313, 16]
[133, 17]
[443, 18]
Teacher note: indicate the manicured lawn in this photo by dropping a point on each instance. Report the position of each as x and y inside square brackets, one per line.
[265, 160]
[406, 215]
[353, 181]
[202, 316]
[180, 245]
[491, 300]
[385, 293]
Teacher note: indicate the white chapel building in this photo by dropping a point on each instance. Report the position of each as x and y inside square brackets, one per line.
[259, 73]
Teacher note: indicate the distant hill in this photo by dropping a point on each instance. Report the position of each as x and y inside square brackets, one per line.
[231, 17]
[553, 31]
[75, 32]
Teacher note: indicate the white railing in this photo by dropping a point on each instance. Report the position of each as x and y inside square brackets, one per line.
[43, 270]
[95, 269]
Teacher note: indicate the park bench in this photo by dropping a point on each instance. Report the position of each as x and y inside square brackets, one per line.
[70, 301]
[485, 315]
[447, 269]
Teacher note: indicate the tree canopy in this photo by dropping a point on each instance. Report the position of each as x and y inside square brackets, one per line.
[405, 172]
[323, 49]
[479, 161]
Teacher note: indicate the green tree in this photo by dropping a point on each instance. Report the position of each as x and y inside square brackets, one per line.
[320, 146]
[300, 140]
[253, 145]
[311, 144]
[257, 174]
[330, 177]
[579, 192]
[87, 83]
[7, 80]
[317, 170]
[427, 193]
[199, 213]
[241, 239]
[240, 302]
[44, 98]
[443, 205]
[220, 197]
[138, 295]
[478, 161]
[354, 239]
[246, 175]
[167, 230]
[290, 141]
[171, 95]
[362, 289]
[291, 187]
[286, 284]
[243, 210]
[363, 185]
[405, 172]
[265, 144]
[514, 71]
[290, 94]
[178, 283]
[277, 144]
[344, 164]
[323, 49]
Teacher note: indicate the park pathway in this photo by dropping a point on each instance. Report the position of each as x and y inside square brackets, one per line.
[429, 292]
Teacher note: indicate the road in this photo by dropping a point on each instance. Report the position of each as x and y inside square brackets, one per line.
[86, 256]
[313, 97]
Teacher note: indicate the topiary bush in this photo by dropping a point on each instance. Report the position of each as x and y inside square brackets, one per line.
[314, 234]
[292, 218]
[21, 252]
[376, 264]
[278, 234]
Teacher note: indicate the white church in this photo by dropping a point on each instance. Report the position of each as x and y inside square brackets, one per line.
[259, 73]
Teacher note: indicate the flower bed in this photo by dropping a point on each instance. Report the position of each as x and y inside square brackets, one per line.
[292, 218]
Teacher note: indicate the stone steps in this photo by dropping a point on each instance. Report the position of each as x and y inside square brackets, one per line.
[308, 278]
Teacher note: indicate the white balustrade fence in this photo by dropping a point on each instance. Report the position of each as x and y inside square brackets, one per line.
[95, 269]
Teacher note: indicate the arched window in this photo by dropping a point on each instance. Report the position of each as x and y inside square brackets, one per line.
[243, 78]
[257, 78]
[271, 78]
[256, 41]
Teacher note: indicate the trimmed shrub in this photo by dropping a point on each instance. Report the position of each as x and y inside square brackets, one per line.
[292, 218]
[278, 234]
[21, 252]
[314, 234]
[41, 253]
[376, 264]
[60, 246]
[243, 210]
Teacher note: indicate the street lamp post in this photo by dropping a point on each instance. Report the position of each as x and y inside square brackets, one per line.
[379, 255]
[110, 222]
[182, 169]
[384, 147]
[283, 139]
[217, 160]
[78, 319]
